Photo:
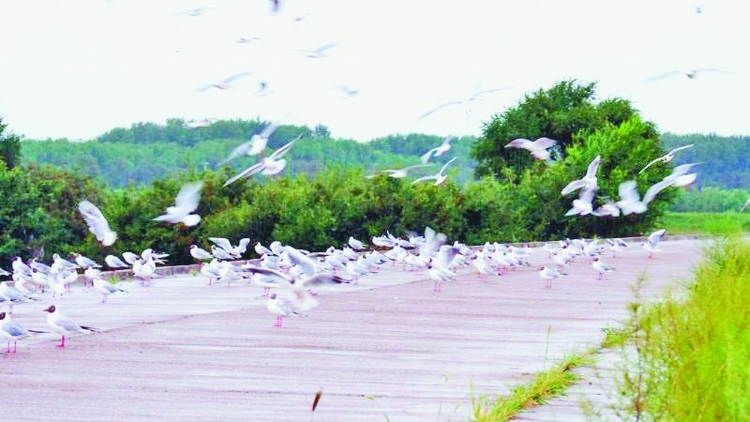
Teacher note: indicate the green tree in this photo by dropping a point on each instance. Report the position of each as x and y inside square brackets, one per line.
[565, 112]
[10, 147]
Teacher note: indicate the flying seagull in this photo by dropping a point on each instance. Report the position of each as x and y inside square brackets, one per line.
[538, 148]
[186, 202]
[254, 146]
[689, 73]
[318, 52]
[98, 225]
[474, 97]
[589, 181]
[440, 177]
[225, 83]
[665, 158]
[397, 173]
[438, 150]
[194, 12]
[273, 164]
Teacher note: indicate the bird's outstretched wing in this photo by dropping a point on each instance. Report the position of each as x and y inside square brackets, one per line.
[449, 103]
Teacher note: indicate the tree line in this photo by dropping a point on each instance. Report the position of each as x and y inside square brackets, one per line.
[510, 198]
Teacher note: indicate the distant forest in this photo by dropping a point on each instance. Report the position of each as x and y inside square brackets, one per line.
[148, 151]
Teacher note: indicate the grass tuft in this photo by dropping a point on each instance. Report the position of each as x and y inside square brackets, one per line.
[545, 385]
[692, 354]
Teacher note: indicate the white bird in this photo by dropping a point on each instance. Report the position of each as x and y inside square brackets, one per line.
[106, 288]
[62, 324]
[438, 274]
[357, 270]
[97, 223]
[609, 208]
[439, 150]
[689, 73]
[262, 250]
[355, 244]
[665, 158]
[200, 254]
[85, 262]
[196, 124]
[747, 204]
[474, 97]
[186, 202]
[549, 274]
[630, 201]
[299, 285]
[280, 308]
[397, 173]
[680, 176]
[12, 331]
[144, 270]
[194, 12]
[617, 245]
[652, 243]
[254, 146]
[538, 148]
[582, 205]
[129, 257]
[235, 251]
[440, 177]
[211, 270]
[601, 267]
[560, 259]
[270, 165]
[589, 181]
[481, 263]
[225, 83]
[220, 253]
[318, 52]
[265, 281]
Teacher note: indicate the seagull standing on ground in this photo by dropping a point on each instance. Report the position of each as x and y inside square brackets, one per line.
[62, 324]
[601, 267]
[280, 308]
[106, 288]
[12, 331]
[549, 274]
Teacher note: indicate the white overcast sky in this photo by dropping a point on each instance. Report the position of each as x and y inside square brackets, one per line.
[78, 68]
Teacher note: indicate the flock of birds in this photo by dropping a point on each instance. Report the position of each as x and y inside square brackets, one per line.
[630, 201]
[293, 274]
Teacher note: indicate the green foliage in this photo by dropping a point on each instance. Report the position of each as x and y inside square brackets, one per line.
[700, 341]
[167, 151]
[39, 210]
[724, 160]
[565, 112]
[697, 223]
[10, 147]
[711, 199]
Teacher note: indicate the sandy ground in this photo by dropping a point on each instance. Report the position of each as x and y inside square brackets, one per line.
[389, 348]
